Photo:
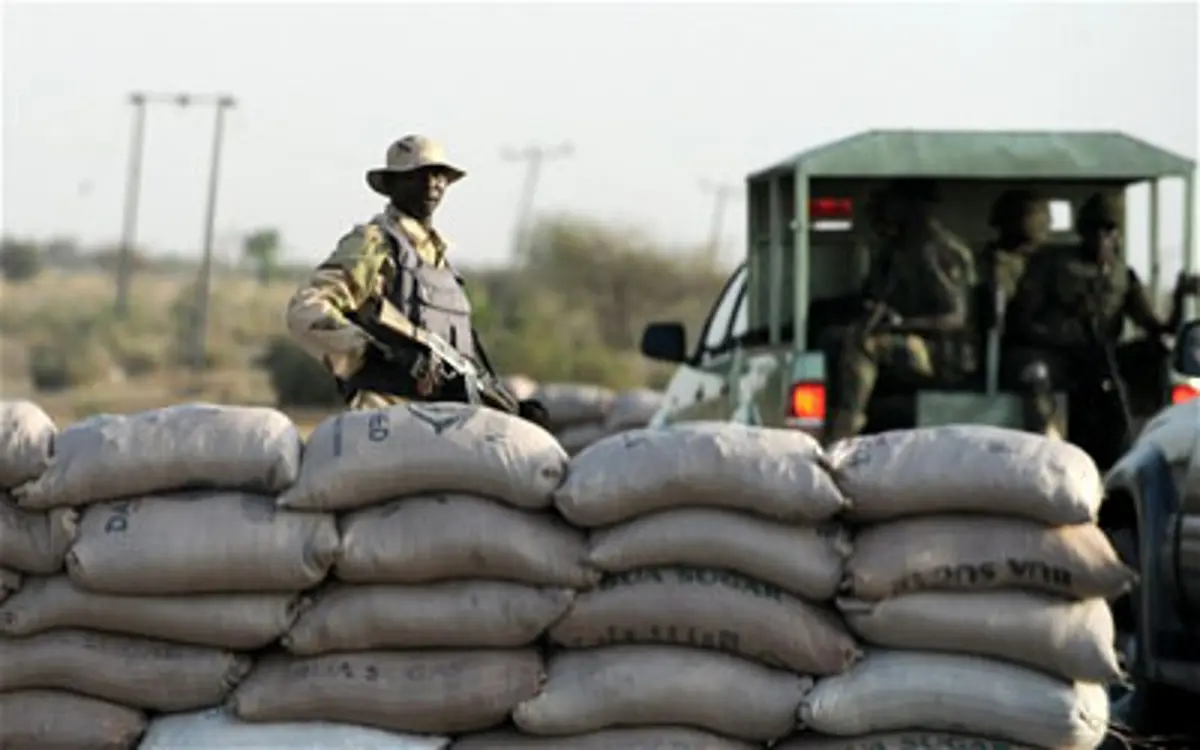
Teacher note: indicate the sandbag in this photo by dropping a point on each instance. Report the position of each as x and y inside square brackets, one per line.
[1073, 640]
[35, 542]
[241, 622]
[577, 437]
[655, 738]
[772, 472]
[458, 614]
[632, 409]
[522, 388]
[574, 403]
[10, 581]
[909, 740]
[188, 446]
[974, 553]
[804, 560]
[215, 728]
[358, 458]
[26, 440]
[628, 686]
[895, 690]
[54, 720]
[430, 692]
[712, 609]
[200, 543]
[967, 469]
[443, 537]
[136, 672]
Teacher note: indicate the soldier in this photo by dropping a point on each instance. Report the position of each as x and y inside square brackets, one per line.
[917, 325]
[400, 257]
[1021, 220]
[1072, 306]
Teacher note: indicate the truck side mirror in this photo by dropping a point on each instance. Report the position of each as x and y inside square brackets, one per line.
[1186, 358]
[666, 342]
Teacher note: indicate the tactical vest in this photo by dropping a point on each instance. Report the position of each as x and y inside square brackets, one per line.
[432, 298]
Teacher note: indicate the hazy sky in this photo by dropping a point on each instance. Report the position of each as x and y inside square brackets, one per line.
[653, 96]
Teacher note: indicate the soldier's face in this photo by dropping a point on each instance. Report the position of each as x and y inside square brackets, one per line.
[1108, 239]
[419, 193]
[1036, 225]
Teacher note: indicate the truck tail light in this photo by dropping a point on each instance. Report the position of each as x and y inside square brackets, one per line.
[1183, 392]
[808, 402]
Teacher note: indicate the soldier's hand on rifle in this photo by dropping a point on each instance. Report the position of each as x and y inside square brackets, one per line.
[532, 410]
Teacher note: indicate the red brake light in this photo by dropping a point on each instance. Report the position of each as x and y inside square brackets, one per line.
[831, 208]
[1183, 392]
[808, 401]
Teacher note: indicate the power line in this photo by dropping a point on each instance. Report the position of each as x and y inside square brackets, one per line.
[534, 157]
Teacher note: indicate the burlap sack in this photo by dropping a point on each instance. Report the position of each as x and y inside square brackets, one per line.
[10, 581]
[236, 621]
[967, 469]
[444, 537]
[432, 692]
[712, 609]
[656, 738]
[520, 386]
[804, 560]
[363, 457]
[1071, 639]
[772, 472]
[216, 728]
[910, 740]
[892, 691]
[135, 672]
[975, 553]
[577, 437]
[26, 439]
[458, 614]
[629, 686]
[187, 446]
[633, 409]
[35, 542]
[574, 403]
[53, 720]
[201, 543]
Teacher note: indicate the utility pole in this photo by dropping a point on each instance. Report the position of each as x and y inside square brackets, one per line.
[534, 157]
[222, 103]
[721, 194]
[133, 184]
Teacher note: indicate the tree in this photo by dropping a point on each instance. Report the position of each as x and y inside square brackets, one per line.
[261, 249]
[19, 260]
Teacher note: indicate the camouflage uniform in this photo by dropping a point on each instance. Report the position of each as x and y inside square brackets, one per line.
[364, 265]
[1069, 304]
[935, 278]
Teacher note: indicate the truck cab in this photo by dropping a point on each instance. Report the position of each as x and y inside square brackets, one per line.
[756, 359]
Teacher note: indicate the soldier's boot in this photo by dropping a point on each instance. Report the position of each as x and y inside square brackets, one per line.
[1040, 408]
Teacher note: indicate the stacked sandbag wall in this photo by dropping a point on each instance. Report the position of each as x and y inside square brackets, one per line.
[979, 581]
[451, 567]
[583, 414]
[715, 611]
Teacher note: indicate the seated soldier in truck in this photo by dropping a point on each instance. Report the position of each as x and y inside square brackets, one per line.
[918, 325]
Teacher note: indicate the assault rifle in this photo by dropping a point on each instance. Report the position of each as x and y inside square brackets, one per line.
[436, 362]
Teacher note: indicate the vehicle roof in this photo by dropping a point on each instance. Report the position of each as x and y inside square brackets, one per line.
[982, 154]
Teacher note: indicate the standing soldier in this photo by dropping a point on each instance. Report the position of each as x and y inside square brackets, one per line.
[917, 327]
[1072, 307]
[397, 257]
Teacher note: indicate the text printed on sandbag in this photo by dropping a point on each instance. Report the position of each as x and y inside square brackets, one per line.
[119, 520]
[987, 573]
[697, 576]
[928, 742]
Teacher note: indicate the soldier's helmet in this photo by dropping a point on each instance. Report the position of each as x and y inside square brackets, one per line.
[410, 153]
[1010, 208]
[1099, 212]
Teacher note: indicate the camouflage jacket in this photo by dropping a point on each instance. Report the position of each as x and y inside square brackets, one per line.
[361, 267]
[1064, 298]
[933, 278]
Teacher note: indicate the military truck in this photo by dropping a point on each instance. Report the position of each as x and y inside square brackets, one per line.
[756, 362]
[756, 359]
